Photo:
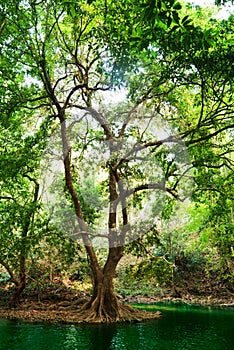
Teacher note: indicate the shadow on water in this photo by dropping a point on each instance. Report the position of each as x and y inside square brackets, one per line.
[180, 328]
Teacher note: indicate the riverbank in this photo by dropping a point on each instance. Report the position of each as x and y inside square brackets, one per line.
[64, 307]
[57, 313]
[189, 299]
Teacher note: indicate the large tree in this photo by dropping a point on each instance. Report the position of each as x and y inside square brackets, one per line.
[67, 55]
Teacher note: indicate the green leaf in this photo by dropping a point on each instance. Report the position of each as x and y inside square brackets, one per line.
[185, 18]
[187, 24]
[169, 21]
[174, 28]
[176, 17]
[177, 6]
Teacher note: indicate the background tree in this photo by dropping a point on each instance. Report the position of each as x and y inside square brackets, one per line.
[18, 205]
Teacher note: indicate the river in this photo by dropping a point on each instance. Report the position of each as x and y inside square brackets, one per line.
[181, 327]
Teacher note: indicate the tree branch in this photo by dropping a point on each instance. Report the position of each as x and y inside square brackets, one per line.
[11, 273]
[3, 26]
[101, 120]
[7, 197]
[208, 137]
[154, 144]
[158, 186]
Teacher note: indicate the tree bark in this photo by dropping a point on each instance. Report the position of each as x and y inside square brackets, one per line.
[19, 282]
[104, 305]
[19, 287]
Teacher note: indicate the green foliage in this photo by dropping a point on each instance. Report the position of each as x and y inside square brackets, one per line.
[143, 278]
[90, 197]
[176, 62]
[222, 2]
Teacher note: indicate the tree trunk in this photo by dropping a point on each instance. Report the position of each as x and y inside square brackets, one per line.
[19, 282]
[104, 305]
[19, 287]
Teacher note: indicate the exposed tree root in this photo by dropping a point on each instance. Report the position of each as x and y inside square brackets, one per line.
[73, 316]
[122, 313]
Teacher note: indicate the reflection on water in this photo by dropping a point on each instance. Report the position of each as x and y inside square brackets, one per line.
[180, 328]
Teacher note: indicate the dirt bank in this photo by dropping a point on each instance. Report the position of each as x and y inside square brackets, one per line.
[64, 307]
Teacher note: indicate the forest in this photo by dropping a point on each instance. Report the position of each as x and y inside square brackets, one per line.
[116, 157]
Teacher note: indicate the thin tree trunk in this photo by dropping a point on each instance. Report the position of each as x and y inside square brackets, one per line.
[69, 184]
[19, 287]
[19, 281]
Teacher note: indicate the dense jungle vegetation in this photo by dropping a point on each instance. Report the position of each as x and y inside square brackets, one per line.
[116, 162]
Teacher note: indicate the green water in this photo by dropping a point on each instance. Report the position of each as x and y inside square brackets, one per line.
[180, 328]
